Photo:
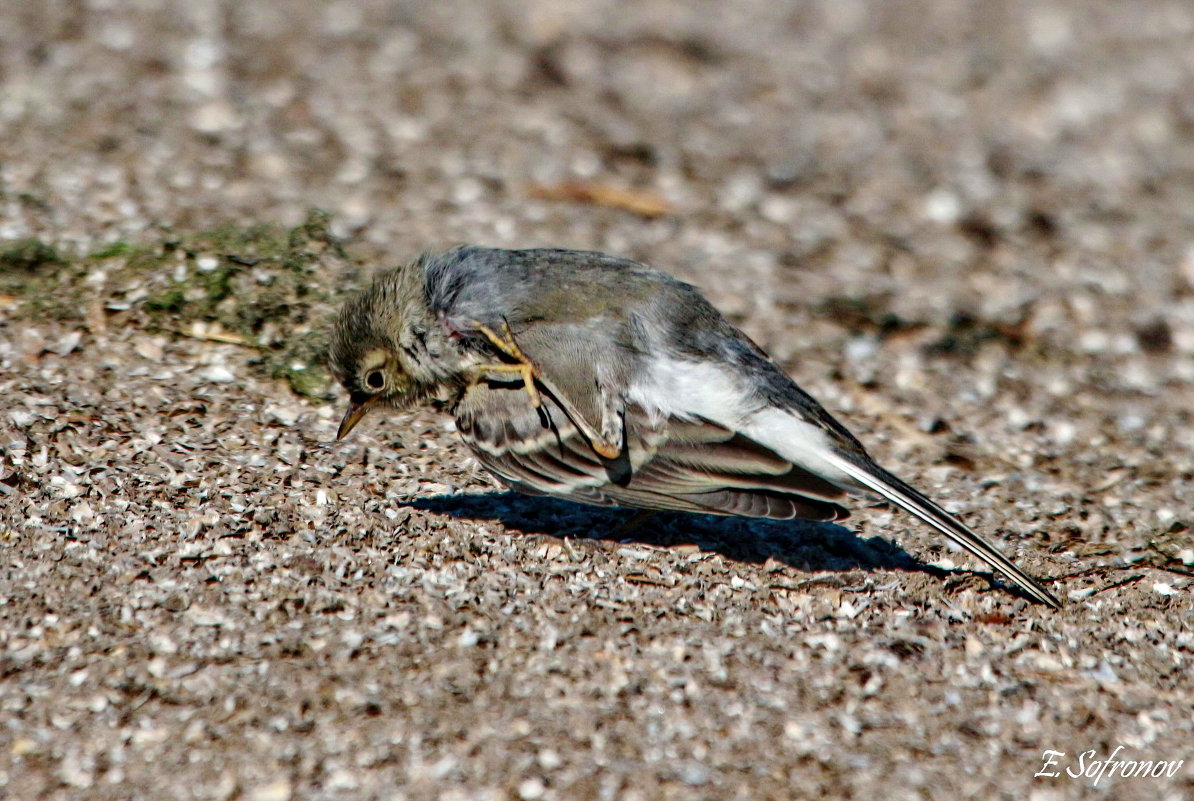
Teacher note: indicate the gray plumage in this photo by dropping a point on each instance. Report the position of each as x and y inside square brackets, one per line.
[589, 377]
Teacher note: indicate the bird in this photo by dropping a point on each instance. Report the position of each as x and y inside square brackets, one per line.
[585, 376]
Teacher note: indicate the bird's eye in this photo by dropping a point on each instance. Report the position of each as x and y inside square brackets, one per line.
[375, 379]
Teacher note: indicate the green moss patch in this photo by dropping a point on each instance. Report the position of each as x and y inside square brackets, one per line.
[28, 256]
[274, 289]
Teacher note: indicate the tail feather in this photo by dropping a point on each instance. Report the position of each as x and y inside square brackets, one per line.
[896, 491]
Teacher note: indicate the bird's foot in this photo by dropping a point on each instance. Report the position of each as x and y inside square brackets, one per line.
[524, 371]
[505, 343]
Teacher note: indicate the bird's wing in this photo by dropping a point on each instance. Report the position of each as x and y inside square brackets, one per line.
[575, 371]
[671, 464]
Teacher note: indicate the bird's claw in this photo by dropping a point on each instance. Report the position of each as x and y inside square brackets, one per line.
[525, 368]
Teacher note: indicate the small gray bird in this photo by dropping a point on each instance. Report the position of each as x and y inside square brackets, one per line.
[600, 380]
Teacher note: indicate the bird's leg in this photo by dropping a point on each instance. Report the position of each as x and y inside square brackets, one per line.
[610, 438]
[524, 367]
[504, 341]
[525, 371]
[607, 443]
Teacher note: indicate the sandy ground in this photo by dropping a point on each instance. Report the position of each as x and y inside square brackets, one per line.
[967, 227]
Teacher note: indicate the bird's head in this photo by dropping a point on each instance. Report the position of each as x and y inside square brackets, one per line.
[386, 348]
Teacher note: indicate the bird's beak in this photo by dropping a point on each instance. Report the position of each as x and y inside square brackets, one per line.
[358, 405]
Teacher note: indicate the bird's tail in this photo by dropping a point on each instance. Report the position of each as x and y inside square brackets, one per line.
[893, 489]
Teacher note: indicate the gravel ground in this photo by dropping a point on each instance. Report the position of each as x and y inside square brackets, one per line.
[965, 226]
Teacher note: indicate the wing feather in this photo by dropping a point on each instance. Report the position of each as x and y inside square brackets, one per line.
[674, 464]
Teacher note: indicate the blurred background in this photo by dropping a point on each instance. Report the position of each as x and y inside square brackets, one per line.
[782, 150]
[967, 226]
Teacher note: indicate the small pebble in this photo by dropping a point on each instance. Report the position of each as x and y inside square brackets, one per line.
[217, 374]
[694, 774]
[531, 789]
[280, 790]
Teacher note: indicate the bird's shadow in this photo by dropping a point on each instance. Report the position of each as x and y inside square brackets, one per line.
[804, 545]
